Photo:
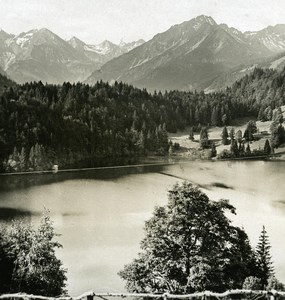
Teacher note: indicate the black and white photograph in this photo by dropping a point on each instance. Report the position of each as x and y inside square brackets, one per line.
[142, 148]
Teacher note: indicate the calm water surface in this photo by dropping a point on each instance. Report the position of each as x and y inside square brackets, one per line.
[100, 214]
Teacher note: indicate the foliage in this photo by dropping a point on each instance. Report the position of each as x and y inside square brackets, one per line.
[234, 149]
[264, 261]
[252, 283]
[29, 260]
[225, 154]
[275, 284]
[267, 148]
[191, 134]
[277, 134]
[239, 136]
[248, 150]
[77, 121]
[204, 138]
[213, 150]
[232, 134]
[250, 130]
[225, 136]
[190, 245]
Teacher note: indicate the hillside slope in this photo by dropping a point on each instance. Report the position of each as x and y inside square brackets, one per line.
[191, 55]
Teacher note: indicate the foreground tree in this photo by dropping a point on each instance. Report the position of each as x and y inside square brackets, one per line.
[29, 261]
[264, 261]
[190, 245]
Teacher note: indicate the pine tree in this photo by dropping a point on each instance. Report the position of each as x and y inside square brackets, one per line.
[239, 136]
[234, 149]
[204, 138]
[191, 134]
[267, 148]
[213, 150]
[22, 159]
[264, 261]
[247, 150]
[232, 134]
[225, 135]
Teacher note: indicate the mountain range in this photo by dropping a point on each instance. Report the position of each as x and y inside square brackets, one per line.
[197, 54]
[42, 55]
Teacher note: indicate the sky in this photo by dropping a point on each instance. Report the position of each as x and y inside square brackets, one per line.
[96, 20]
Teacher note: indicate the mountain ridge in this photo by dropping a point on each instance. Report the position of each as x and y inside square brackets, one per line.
[195, 54]
[191, 55]
[40, 54]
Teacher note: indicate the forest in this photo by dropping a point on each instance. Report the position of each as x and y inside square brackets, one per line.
[44, 124]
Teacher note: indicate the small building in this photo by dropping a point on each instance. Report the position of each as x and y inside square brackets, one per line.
[55, 168]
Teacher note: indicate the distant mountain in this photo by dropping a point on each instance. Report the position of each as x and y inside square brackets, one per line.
[192, 55]
[43, 55]
[126, 47]
[276, 62]
[103, 52]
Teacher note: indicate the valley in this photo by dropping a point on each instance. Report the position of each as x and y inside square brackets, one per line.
[149, 161]
[189, 147]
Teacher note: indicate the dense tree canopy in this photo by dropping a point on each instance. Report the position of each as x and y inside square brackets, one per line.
[190, 245]
[45, 124]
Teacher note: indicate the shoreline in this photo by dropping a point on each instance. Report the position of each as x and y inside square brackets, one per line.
[168, 160]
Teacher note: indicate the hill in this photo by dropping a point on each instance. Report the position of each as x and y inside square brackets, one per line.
[45, 124]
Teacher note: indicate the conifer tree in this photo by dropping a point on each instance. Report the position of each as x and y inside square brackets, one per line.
[264, 260]
[225, 135]
[204, 138]
[267, 148]
[213, 150]
[247, 150]
[234, 149]
[232, 134]
[191, 134]
[239, 136]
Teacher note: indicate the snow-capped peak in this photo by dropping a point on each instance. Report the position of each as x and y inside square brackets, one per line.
[105, 47]
[24, 38]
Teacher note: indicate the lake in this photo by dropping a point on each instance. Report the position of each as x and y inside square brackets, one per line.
[100, 214]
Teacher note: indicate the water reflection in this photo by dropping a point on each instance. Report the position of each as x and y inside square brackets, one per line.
[18, 182]
[9, 214]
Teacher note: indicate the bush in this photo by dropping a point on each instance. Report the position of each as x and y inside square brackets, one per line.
[275, 284]
[252, 283]
[176, 146]
[225, 154]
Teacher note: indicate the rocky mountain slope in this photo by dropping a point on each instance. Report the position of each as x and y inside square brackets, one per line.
[43, 55]
[104, 51]
[192, 55]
